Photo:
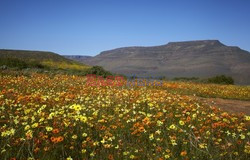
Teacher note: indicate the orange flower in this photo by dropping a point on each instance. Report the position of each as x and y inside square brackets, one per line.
[158, 149]
[183, 153]
[53, 139]
[146, 121]
[110, 157]
[60, 139]
[55, 131]
[141, 129]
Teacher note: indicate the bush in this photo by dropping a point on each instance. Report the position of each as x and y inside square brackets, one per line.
[98, 70]
[13, 62]
[186, 79]
[221, 79]
[18, 63]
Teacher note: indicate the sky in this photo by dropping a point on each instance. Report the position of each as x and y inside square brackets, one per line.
[88, 27]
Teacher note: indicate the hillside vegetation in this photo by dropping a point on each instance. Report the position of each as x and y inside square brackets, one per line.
[26, 59]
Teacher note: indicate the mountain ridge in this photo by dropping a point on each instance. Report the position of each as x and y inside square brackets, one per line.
[201, 58]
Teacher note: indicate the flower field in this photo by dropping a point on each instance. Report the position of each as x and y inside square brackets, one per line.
[210, 90]
[60, 117]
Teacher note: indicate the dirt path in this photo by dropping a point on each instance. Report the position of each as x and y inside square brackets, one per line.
[233, 106]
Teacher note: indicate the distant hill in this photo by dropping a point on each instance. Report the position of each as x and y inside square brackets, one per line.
[78, 58]
[204, 58]
[48, 59]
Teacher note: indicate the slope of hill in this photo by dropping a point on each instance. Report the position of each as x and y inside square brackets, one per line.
[48, 59]
[202, 59]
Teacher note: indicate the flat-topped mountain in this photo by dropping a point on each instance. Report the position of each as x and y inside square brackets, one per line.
[202, 59]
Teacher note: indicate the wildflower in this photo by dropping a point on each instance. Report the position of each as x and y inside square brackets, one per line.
[103, 141]
[76, 107]
[228, 133]
[69, 158]
[151, 136]
[167, 156]
[92, 154]
[247, 149]
[194, 116]
[203, 145]
[247, 118]
[84, 135]
[173, 127]
[84, 151]
[234, 135]
[125, 153]
[83, 119]
[183, 153]
[34, 125]
[49, 129]
[159, 123]
[242, 136]
[29, 134]
[181, 123]
[60, 139]
[27, 127]
[74, 136]
[55, 131]
[158, 132]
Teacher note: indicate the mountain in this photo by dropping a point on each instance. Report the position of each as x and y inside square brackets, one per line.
[203, 58]
[78, 58]
[48, 59]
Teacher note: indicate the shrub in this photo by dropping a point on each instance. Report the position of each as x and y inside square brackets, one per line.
[98, 70]
[20, 64]
[221, 79]
[13, 62]
[186, 79]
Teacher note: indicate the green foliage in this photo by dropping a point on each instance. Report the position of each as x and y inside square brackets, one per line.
[13, 62]
[221, 79]
[98, 70]
[186, 79]
[18, 63]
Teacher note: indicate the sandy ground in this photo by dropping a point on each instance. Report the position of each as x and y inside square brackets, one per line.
[233, 106]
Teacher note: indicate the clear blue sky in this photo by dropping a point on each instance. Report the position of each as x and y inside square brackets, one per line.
[88, 27]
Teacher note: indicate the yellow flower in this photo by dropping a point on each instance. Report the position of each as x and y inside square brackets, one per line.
[167, 156]
[158, 132]
[242, 136]
[84, 135]
[173, 127]
[181, 123]
[83, 119]
[34, 125]
[74, 137]
[159, 123]
[151, 136]
[69, 158]
[132, 157]
[49, 129]
[247, 118]
[84, 150]
[76, 107]
[203, 145]
[247, 149]
[27, 127]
